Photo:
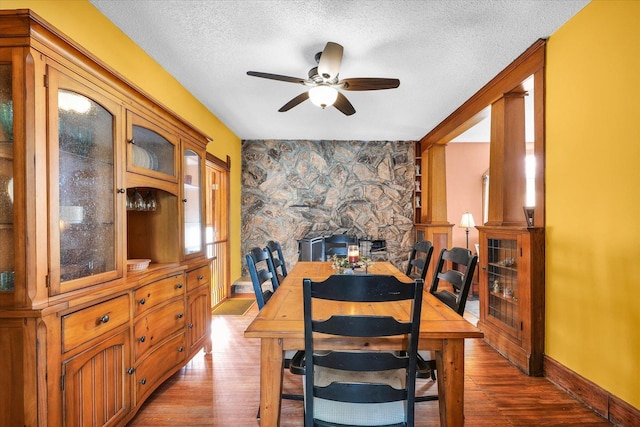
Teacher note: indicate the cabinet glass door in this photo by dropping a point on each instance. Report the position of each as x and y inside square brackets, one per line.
[6, 180]
[151, 150]
[503, 292]
[83, 228]
[192, 192]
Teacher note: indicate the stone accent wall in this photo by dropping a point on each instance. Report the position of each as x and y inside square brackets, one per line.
[297, 189]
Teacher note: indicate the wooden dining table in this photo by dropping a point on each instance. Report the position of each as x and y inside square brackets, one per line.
[279, 325]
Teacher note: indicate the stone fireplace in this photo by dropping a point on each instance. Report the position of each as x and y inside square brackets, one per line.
[292, 190]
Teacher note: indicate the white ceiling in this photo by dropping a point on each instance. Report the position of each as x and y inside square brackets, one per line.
[443, 51]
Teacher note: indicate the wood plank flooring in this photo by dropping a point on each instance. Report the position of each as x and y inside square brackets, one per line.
[222, 389]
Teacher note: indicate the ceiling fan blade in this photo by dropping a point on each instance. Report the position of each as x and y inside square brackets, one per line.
[369, 83]
[295, 101]
[330, 60]
[276, 77]
[343, 104]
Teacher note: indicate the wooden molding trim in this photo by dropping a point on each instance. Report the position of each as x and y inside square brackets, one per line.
[221, 163]
[608, 406]
[522, 67]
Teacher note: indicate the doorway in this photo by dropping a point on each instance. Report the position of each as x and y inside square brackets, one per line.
[217, 226]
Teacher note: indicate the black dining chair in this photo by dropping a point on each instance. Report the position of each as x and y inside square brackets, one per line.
[356, 387]
[451, 283]
[277, 259]
[262, 275]
[419, 259]
[261, 271]
[452, 277]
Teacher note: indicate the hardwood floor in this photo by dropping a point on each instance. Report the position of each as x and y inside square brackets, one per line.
[223, 390]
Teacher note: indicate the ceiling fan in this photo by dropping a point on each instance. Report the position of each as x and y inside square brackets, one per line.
[324, 82]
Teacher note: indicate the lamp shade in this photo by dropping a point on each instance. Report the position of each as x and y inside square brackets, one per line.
[323, 96]
[467, 220]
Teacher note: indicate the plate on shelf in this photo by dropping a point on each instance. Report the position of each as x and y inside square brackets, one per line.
[154, 160]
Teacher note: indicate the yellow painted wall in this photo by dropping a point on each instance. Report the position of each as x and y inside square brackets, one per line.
[592, 196]
[83, 23]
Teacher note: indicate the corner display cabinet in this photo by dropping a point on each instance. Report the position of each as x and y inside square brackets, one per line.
[512, 300]
[93, 178]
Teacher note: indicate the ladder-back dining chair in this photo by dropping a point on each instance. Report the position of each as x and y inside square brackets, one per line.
[356, 387]
[451, 283]
[262, 275]
[277, 259]
[419, 259]
[264, 283]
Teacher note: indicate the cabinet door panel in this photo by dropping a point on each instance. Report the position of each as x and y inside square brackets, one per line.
[96, 385]
[84, 227]
[6, 179]
[199, 318]
[192, 199]
[151, 150]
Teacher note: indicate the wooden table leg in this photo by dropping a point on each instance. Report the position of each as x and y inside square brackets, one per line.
[450, 373]
[271, 371]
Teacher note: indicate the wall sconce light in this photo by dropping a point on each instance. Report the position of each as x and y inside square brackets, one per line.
[467, 222]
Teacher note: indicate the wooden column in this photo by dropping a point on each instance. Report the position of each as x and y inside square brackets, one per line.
[434, 223]
[507, 182]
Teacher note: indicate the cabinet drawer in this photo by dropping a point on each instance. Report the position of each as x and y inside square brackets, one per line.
[198, 277]
[149, 296]
[160, 361]
[91, 322]
[151, 329]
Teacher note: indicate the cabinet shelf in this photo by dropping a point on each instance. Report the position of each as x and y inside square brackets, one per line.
[500, 295]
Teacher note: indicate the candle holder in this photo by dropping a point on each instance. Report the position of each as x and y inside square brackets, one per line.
[353, 254]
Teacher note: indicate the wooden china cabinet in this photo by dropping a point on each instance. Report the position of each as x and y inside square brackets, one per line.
[512, 300]
[93, 173]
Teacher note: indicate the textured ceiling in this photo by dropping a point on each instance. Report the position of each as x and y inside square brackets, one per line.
[442, 51]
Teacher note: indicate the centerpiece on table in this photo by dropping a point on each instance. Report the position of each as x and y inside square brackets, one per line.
[344, 266]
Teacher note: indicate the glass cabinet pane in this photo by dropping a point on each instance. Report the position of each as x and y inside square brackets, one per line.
[192, 203]
[152, 151]
[503, 281]
[6, 180]
[86, 187]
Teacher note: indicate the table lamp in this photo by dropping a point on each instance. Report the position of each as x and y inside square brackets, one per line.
[466, 222]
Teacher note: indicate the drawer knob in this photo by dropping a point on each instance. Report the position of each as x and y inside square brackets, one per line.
[142, 301]
[130, 371]
[180, 315]
[104, 319]
[184, 200]
[179, 286]
[121, 190]
[142, 338]
[132, 141]
[200, 277]
[190, 325]
[180, 349]
[143, 381]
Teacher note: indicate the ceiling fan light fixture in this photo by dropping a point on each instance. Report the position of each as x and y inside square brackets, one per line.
[323, 96]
